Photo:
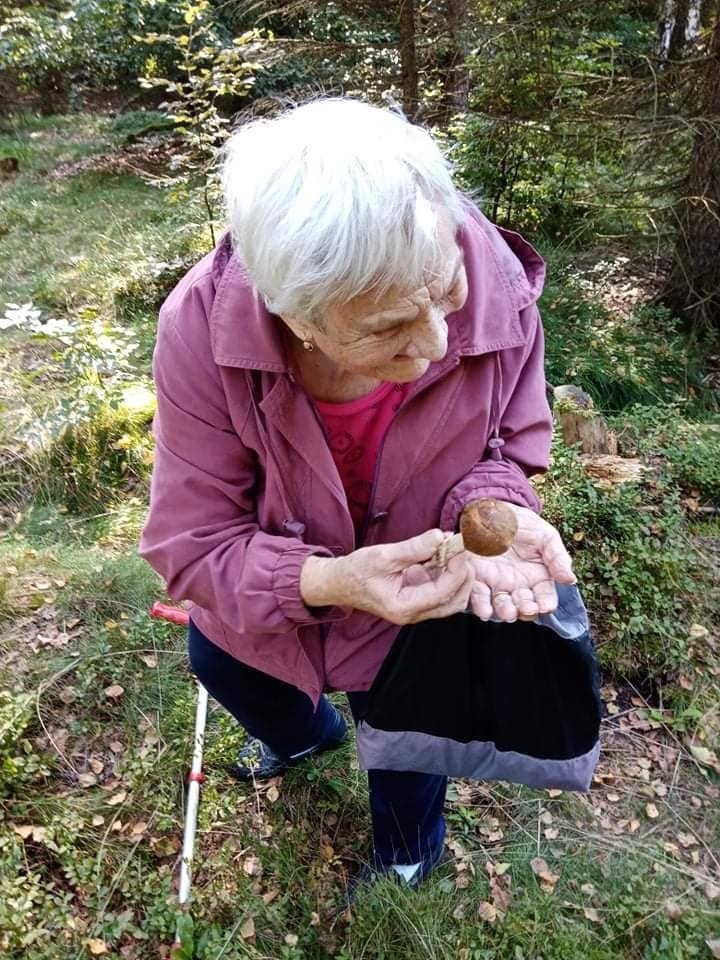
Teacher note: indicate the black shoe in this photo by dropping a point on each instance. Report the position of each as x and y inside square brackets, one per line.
[256, 761]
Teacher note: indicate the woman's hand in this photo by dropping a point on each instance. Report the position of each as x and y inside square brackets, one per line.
[389, 581]
[520, 583]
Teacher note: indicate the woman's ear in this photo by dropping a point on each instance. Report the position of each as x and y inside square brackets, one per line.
[300, 328]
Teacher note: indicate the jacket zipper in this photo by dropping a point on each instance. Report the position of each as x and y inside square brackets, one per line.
[406, 403]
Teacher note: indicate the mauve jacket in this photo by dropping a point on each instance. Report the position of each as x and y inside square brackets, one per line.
[244, 486]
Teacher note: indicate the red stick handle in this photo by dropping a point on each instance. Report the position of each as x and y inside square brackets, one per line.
[161, 611]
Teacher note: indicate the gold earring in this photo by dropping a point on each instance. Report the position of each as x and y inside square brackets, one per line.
[309, 345]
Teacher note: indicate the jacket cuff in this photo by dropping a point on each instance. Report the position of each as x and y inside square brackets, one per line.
[473, 488]
[286, 587]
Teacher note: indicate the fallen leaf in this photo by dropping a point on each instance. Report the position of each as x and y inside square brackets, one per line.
[97, 947]
[116, 798]
[704, 756]
[588, 889]
[687, 840]
[273, 794]
[116, 746]
[97, 766]
[591, 914]
[97, 820]
[291, 939]
[314, 919]
[150, 660]
[554, 793]
[23, 830]
[87, 779]
[547, 878]
[672, 910]
[711, 890]
[487, 912]
[67, 695]
[551, 833]
[327, 852]
[252, 867]
[270, 895]
[114, 692]
[247, 930]
[501, 868]
[138, 828]
[697, 630]
[652, 811]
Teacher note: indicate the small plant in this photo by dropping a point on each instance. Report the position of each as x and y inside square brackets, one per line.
[632, 558]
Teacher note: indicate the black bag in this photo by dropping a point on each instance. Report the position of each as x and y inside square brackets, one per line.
[489, 700]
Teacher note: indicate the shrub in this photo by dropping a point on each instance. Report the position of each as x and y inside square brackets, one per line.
[19, 764]
[633, 561]
[689, 450]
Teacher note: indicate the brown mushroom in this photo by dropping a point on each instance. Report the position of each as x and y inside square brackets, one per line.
[487, 528]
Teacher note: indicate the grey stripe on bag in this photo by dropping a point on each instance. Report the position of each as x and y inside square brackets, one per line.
[406, 750]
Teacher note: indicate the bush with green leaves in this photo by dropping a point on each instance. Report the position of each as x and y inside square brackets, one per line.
[19, 763]
[689, 450]
[51, 48]
[95, 441]
[633, 559]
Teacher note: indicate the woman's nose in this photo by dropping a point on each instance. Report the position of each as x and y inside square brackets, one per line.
[430, 335]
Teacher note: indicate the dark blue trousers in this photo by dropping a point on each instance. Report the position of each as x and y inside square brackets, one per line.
[406, 808]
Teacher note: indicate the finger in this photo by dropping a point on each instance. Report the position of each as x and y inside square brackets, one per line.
[546, 596]
[422, 597]
[524, 600]
[458, 603]
[556, 558]
[415, 575]
[399, 556]
[504, 607]
[480, 600]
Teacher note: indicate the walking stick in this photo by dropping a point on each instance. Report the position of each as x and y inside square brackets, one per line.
[195, 779]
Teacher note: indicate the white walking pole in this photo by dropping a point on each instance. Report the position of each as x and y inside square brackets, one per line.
[195, 778]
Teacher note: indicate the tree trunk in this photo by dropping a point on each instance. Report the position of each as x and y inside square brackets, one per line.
[456, 80]
[679, 30]
[693, 287]
[408, 59]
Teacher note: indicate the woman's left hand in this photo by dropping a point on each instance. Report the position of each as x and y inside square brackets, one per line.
[520, 583]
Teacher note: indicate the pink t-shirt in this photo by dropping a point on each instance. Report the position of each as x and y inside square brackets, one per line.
[355, 433]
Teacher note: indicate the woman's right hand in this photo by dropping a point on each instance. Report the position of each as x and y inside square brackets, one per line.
[388, 581]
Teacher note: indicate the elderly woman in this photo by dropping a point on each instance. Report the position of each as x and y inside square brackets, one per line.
[359, 357]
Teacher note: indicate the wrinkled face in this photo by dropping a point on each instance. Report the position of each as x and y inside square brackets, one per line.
[396, 337]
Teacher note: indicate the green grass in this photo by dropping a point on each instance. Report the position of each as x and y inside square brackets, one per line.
[91, 232]
[91, 779]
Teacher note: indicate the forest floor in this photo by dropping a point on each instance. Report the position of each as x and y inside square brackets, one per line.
[97, 707]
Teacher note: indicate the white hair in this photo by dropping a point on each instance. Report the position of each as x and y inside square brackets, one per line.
[333, 199]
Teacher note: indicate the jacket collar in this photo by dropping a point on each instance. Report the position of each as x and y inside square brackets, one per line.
[505, 275]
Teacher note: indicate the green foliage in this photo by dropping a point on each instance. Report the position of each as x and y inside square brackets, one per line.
[50, 49]
[688, 450]
[633, 561]
[19, 764]
[618, 360]
[210, 65]
[535, 142]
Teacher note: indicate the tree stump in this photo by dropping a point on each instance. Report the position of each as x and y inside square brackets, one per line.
[579, 423]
